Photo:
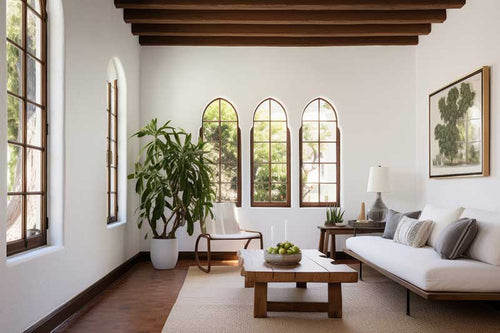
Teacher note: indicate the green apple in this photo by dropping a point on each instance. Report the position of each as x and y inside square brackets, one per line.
[276, 251]
[286, 246]
[270, 250]
[296, 249]
[282, 251]
[290, 251]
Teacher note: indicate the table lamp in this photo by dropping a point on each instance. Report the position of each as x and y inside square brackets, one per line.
[378, 182]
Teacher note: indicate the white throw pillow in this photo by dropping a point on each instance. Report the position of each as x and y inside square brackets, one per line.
[413, 232]
[486, 245]
[441, 218]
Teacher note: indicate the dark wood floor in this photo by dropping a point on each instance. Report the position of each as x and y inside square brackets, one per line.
[138, 302]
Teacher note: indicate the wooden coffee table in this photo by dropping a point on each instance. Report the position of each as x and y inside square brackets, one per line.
[312, 268]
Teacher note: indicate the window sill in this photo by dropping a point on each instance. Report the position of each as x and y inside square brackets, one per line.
[116, 224]
[23, 257]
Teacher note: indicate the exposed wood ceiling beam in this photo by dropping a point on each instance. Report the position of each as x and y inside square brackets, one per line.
[276, 41]
[290, 4]
[284, 17]
[252, 30]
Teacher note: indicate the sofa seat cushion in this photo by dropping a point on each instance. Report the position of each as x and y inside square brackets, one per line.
[424, 268]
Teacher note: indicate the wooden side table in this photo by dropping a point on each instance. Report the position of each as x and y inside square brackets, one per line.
[330, 232]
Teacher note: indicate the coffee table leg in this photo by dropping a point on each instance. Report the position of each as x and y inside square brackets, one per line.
[334, 300]
[260, 300]
[301, 284]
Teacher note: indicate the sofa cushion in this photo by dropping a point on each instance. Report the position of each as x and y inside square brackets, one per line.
[413, 232]
[441, 218]
[486, 245]
[424, 268]
[393, 218]
[456, 238]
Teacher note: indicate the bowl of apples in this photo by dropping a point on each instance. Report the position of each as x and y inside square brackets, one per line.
[284, 254]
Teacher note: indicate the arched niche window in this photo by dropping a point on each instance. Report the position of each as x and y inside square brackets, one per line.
[270, 156]
[220, 129]
[26, 31]
[319, 155]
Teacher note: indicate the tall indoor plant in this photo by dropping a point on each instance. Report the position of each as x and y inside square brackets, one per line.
[173, 180]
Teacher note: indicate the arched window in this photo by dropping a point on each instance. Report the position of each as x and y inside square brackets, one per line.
[221, 131]
[27, 125]
[270, 146]
[319, 155]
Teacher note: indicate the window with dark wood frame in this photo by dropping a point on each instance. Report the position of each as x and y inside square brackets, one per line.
[112, 152]
[26, 23]
[270, 156]
[319, 155]
[220, 130]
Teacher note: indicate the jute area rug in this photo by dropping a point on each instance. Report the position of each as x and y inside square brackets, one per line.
[217, 302]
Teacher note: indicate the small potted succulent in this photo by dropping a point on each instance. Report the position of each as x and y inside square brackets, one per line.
[334, 216]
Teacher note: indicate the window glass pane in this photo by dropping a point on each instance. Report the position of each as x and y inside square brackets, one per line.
[326, 111]
[328, 131]
[278, 131]
[310, 173]
[14, 217]
[14, 21]
[34, 35]
[328, 193]
[35, 4]
[311, 112]
[261, 192]
[261, 152]
[310, 131]
[112, 127]
[310, 152]
[328, 173]
[262, 112]
[328, 152]
[14, 118]
[261, 173]
[310, 193]
[229, 192]
[34, 215]
[211, 132]
[278, 173]
[15, 168]
[34, 125]
[261, 131]
[278, 192]
[229, 138]
[34, 80]
[34, 170]
[227, 112]
[212, 112]
[278, 152]
[277, 112]
[14, 69]
[229, 173]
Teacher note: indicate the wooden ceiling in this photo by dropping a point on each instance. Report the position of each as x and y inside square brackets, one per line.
[283, 22]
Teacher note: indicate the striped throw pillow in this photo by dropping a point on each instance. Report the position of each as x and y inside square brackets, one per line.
[413, 232]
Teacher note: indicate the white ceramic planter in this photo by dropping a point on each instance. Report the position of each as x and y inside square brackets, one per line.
[164, 253]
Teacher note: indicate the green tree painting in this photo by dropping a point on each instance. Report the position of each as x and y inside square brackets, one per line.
[456, 133]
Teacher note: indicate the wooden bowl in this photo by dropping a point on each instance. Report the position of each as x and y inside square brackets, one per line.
[282, 259]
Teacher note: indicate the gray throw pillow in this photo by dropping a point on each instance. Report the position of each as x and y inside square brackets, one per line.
[456, 238]
[393, 218]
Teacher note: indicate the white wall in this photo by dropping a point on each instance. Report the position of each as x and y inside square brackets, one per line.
[372, 89]
[32, 285]
[467, 41]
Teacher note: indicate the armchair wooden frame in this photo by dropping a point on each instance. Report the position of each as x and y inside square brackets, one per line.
[210, 238]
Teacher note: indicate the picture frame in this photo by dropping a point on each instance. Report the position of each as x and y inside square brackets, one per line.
[459, 127]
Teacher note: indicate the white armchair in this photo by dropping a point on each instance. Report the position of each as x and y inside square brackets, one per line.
[224, 226]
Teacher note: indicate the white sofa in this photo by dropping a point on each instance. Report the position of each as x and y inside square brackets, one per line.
[422, 270]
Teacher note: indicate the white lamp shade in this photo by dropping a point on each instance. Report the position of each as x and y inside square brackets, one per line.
[378, 180]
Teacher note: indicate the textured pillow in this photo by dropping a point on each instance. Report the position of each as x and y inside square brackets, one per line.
[393, 219]
[413, 232]
[441, 218]
[456, 238]
[486, 245]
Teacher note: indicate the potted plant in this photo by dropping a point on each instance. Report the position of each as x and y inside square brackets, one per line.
[334, 216]
[173, 180]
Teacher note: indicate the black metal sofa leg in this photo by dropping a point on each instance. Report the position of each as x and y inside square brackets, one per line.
[407, 302]
[361, 271]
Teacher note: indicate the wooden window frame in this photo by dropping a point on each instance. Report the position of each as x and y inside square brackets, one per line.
[219, 164]
[319, 203]
[112, 159]
[270, 203]
[26, 243]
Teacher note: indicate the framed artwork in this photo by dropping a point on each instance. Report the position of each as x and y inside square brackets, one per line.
[459, 127]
